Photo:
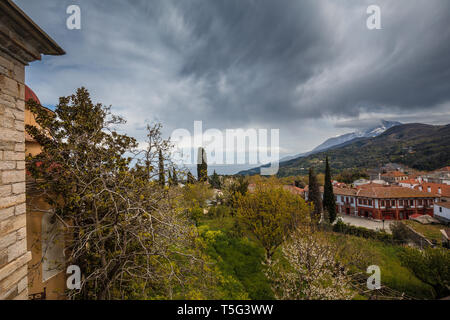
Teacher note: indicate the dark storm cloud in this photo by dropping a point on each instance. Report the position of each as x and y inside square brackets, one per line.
[296, 59]
[308, 67]
[253, 54]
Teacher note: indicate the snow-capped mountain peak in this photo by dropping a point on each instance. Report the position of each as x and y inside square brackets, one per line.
[368, 133]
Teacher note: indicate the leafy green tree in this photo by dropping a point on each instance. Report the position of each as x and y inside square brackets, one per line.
[162, 178]
[240, 186]
[233, 188]
[431, 265]
[314, 196]
[350, 175]
[270, 213]
[329, 201]
[400, 232]
[170, 179]
[215, 181]
[121, 228]
[202, 166]
[190, 178]
[174, 177]
[197, 195]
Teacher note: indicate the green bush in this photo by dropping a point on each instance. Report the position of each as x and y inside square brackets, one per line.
[344, 228]
[220, 211]
[387, 256]
[400, 232]
[196, 214]
[431, 265]
[240, 259]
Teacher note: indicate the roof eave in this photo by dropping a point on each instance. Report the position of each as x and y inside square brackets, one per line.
[47, 45]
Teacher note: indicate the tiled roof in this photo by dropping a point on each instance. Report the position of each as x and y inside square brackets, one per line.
[294, 189]
[381, 192]
[372, 184]
[444, 204]
[410, 181]
[445, 189]
[344, 191]
[307, 189]
[393, 174]
[393, 192]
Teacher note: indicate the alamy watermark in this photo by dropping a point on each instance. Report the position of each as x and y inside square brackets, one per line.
[73, 21]
[74, 279]
[374, 20]
[229, 147]
[374, 281]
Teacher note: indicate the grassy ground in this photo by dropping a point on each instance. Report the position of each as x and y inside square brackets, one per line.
[236, 256]
[240, 257]
[393, 274]
[431, 231]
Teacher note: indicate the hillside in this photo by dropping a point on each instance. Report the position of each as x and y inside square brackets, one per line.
[420, 146]
[368, 133]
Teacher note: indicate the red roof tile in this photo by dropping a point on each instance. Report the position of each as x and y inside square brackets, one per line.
[444, 204]
[380, 192]
[294, 189]
[29, 94]
[445, 189]
[393, 174]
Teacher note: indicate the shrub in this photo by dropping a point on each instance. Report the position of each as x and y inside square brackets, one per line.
[431, 265]
[400, 232]
[220, 211]
[344, 228]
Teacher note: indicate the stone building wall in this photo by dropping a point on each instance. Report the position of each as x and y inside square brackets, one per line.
[13, 244]
[21, 42]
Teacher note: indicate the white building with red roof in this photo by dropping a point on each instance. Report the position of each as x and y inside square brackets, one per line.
[442, 211]
[384, 202]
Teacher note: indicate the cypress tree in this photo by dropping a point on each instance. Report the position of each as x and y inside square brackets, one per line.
[174, 177]
[314, 194]
[202, 166]
[170, 177]
[329, 202]
[162, 178]
[215, 180]
[190, 178]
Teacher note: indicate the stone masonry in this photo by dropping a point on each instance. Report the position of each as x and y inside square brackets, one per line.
[21, 42]
[13, 247]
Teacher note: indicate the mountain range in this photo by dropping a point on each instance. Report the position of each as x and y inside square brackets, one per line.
[368, 133]
[420, 146]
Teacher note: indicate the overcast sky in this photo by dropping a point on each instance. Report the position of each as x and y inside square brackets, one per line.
[309, 68]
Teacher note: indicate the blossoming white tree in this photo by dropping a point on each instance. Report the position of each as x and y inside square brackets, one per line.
[309, 269]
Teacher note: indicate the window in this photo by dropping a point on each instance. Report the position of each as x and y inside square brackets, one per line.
[400, 203]
[440, 209]
[382, 203]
